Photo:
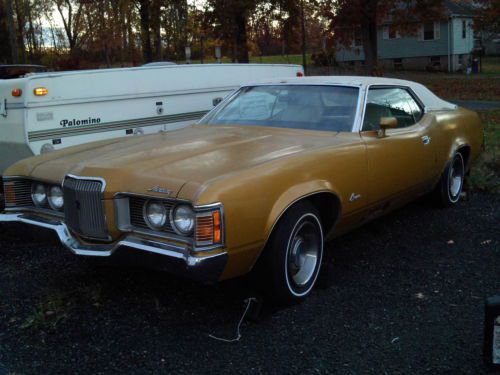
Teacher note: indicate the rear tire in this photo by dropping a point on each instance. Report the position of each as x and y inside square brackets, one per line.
[450, 185]
[292, 258]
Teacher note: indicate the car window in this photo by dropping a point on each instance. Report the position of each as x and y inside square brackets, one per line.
[391, 102]
[312, 107]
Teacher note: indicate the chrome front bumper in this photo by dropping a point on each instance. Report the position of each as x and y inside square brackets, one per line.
[173, 258]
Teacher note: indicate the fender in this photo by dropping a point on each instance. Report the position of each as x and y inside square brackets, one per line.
[293, 195]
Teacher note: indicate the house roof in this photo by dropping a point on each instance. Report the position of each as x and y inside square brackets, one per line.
[460, 7]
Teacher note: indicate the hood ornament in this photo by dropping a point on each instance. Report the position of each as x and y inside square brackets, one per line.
[160, 190]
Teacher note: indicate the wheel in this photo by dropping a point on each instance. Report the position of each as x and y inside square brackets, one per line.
[450, 186]
[293, 255]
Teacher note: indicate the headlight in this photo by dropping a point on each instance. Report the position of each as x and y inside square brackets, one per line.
[155, 215]
[56, 200]
[39, 195]
[182, 219]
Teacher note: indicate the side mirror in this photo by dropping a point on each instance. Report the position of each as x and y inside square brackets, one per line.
[387, 123]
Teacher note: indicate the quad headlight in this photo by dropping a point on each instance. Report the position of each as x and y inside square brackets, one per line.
[182, 219]
[45, 196]
[39, 195]
[55, 198]
[155, 215]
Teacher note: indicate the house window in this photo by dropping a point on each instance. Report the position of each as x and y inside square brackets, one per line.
[391, 32]
[358, 39]
[436, 61]
[464, 29]
[429, 31]
[398, 64]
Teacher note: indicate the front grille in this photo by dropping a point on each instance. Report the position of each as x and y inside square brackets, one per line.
[83, 207]
[137, 213]
[17, 193]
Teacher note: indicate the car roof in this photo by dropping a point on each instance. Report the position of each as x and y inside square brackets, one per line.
[341, 80]
[430, 101]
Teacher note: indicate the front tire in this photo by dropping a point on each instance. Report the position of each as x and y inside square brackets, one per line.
[450, 185]
[293, 255]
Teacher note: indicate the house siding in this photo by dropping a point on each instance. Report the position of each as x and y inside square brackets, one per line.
[462, 46]
[411, 46]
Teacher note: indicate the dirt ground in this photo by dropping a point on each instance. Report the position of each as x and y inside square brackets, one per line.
[408, 299]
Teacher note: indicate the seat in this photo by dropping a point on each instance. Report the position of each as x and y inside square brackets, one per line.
[373, 114]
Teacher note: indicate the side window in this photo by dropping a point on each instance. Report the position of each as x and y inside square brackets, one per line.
[391, 102]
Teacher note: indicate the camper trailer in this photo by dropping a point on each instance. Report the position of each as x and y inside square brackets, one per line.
[41, 112]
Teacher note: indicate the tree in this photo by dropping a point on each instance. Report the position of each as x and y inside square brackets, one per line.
[12, 31]
[5, 43]
[144, 10]
[71, 15]
[488, 19]
[231, 19]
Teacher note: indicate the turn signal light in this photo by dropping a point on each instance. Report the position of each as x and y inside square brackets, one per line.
[209, 228]
[217, 227]
[17, 93]
[9, 193]
[41, 91]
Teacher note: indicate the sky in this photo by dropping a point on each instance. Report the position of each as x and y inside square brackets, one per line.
[58, 20]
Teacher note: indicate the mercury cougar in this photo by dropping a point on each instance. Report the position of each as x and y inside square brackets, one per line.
[258, 184]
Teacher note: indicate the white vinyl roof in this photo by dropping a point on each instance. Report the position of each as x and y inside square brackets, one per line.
[427, 97]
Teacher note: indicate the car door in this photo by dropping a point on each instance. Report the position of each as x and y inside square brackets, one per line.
[399, 164]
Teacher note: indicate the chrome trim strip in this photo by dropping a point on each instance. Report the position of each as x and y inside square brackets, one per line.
[124, 225]
[106, 250]
[99, 179]
[40, 135]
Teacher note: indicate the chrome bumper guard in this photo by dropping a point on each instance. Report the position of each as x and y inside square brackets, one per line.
[176, 259]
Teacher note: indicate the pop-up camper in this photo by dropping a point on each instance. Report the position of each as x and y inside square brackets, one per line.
[41, 112]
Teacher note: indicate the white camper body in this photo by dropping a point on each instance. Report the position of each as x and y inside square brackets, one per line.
[92, 105]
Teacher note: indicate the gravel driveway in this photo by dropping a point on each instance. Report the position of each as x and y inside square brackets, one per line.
[408, 299]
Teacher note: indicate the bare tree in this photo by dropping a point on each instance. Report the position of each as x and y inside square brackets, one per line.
[71, 14]
[12, 32]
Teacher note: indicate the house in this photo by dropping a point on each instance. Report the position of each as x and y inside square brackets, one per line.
[444, 45]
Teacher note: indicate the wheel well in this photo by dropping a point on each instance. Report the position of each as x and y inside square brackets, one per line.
[465, 152]
[329, 208]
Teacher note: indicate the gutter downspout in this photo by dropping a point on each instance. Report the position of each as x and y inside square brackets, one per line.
[449, 43]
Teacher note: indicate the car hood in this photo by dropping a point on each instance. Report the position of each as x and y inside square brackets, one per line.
[196, 154]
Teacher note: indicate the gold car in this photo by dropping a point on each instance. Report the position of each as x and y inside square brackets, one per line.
[258, 184]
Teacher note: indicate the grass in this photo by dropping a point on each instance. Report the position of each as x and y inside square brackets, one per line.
[275, 59]
[491, 65]
[485, 174]
[57, 307]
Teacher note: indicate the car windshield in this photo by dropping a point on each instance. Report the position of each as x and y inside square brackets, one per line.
[311, 107]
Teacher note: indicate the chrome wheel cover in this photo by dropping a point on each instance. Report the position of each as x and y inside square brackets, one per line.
[304, 252]
[456, 178]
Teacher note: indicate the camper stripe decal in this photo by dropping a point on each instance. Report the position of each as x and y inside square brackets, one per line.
[41, 135]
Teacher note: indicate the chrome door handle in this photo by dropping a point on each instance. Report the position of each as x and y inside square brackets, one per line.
[426, 139]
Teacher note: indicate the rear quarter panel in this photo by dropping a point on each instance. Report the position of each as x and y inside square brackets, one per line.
[453, 130]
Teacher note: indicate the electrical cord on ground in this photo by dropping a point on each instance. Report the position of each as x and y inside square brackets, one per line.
[238, 332]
